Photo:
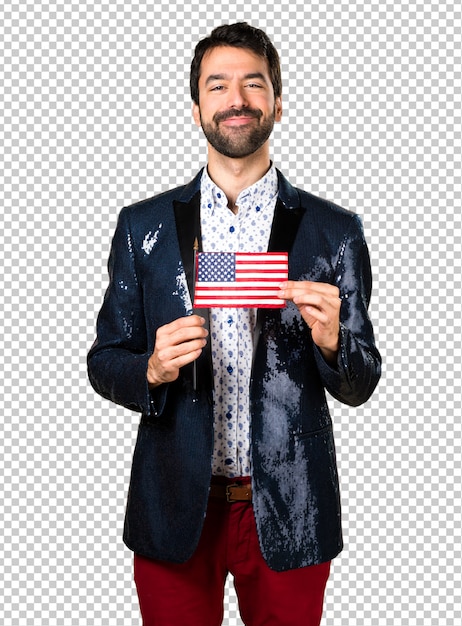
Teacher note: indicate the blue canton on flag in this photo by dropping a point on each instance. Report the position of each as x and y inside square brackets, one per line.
[217, 267]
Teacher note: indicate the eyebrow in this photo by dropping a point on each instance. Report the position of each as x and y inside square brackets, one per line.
[213, 77]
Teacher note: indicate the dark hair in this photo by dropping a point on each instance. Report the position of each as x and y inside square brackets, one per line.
[239, 35]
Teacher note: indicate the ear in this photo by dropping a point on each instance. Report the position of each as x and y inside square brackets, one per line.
[196, 114]
[278, 109]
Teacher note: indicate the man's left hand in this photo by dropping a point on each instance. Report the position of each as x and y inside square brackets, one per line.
[319, 305]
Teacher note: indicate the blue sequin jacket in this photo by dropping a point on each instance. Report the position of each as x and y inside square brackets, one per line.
[294, 475]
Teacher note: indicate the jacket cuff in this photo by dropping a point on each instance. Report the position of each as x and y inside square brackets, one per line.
[157, 398]
[350, 380]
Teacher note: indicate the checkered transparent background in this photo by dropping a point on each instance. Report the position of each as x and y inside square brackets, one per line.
[96, 114]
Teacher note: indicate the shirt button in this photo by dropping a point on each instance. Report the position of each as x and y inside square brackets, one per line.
[232, 229]
[230, 369]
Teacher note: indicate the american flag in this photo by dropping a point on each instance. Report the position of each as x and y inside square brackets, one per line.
[239, 279]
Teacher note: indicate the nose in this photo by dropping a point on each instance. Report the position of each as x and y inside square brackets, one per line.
[237, 97]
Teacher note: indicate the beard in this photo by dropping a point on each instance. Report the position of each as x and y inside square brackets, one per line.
[240, 141]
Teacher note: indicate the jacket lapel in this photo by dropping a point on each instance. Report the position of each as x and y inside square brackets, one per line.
[287, 217]
[288, 214]
[188, 228]
[286, 221]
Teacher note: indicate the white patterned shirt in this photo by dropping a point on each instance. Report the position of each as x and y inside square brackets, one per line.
[231, 329]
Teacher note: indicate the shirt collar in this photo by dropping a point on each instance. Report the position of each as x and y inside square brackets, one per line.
[262, 191]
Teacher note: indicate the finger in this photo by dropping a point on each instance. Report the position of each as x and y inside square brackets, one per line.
[292, 289]
[310, 304]
[164, 366]
[314, 315]
[173, 352]
[186, 335]
[324, 288]
[177, 333]
[307, 285]
[172, 365]
[189, 321]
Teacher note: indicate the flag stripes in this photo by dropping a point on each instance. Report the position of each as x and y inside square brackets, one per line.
[239, 279]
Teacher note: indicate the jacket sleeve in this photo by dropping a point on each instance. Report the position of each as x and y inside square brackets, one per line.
[358, 367]
[118, 360]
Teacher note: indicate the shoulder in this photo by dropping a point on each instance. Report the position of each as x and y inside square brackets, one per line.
[324, 205]
[162, 202]
[317, 211]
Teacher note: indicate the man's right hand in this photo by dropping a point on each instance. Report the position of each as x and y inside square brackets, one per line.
[177, 344]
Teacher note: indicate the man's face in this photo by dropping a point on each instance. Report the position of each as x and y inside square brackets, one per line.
[237, 108]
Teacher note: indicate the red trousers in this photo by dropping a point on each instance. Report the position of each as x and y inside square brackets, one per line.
[192, 593]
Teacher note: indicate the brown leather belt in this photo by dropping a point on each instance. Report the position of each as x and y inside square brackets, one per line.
[231, 493]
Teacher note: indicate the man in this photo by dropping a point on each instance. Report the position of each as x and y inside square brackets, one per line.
[234, 467]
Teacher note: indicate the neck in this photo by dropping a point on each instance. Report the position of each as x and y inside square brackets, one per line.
[234, 175]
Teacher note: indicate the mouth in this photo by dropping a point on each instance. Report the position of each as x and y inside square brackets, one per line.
[238, 121]
[237, 117]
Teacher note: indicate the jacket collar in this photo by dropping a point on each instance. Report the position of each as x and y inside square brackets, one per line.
[191, 188]
[287, 216]
[288, 194]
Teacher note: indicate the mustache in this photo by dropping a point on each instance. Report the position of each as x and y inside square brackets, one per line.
[225, 115]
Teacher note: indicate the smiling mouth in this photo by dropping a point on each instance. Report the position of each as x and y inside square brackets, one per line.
[237, 121]
[237, 117]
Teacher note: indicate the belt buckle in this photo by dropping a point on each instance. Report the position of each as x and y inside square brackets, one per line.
[229, 495]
